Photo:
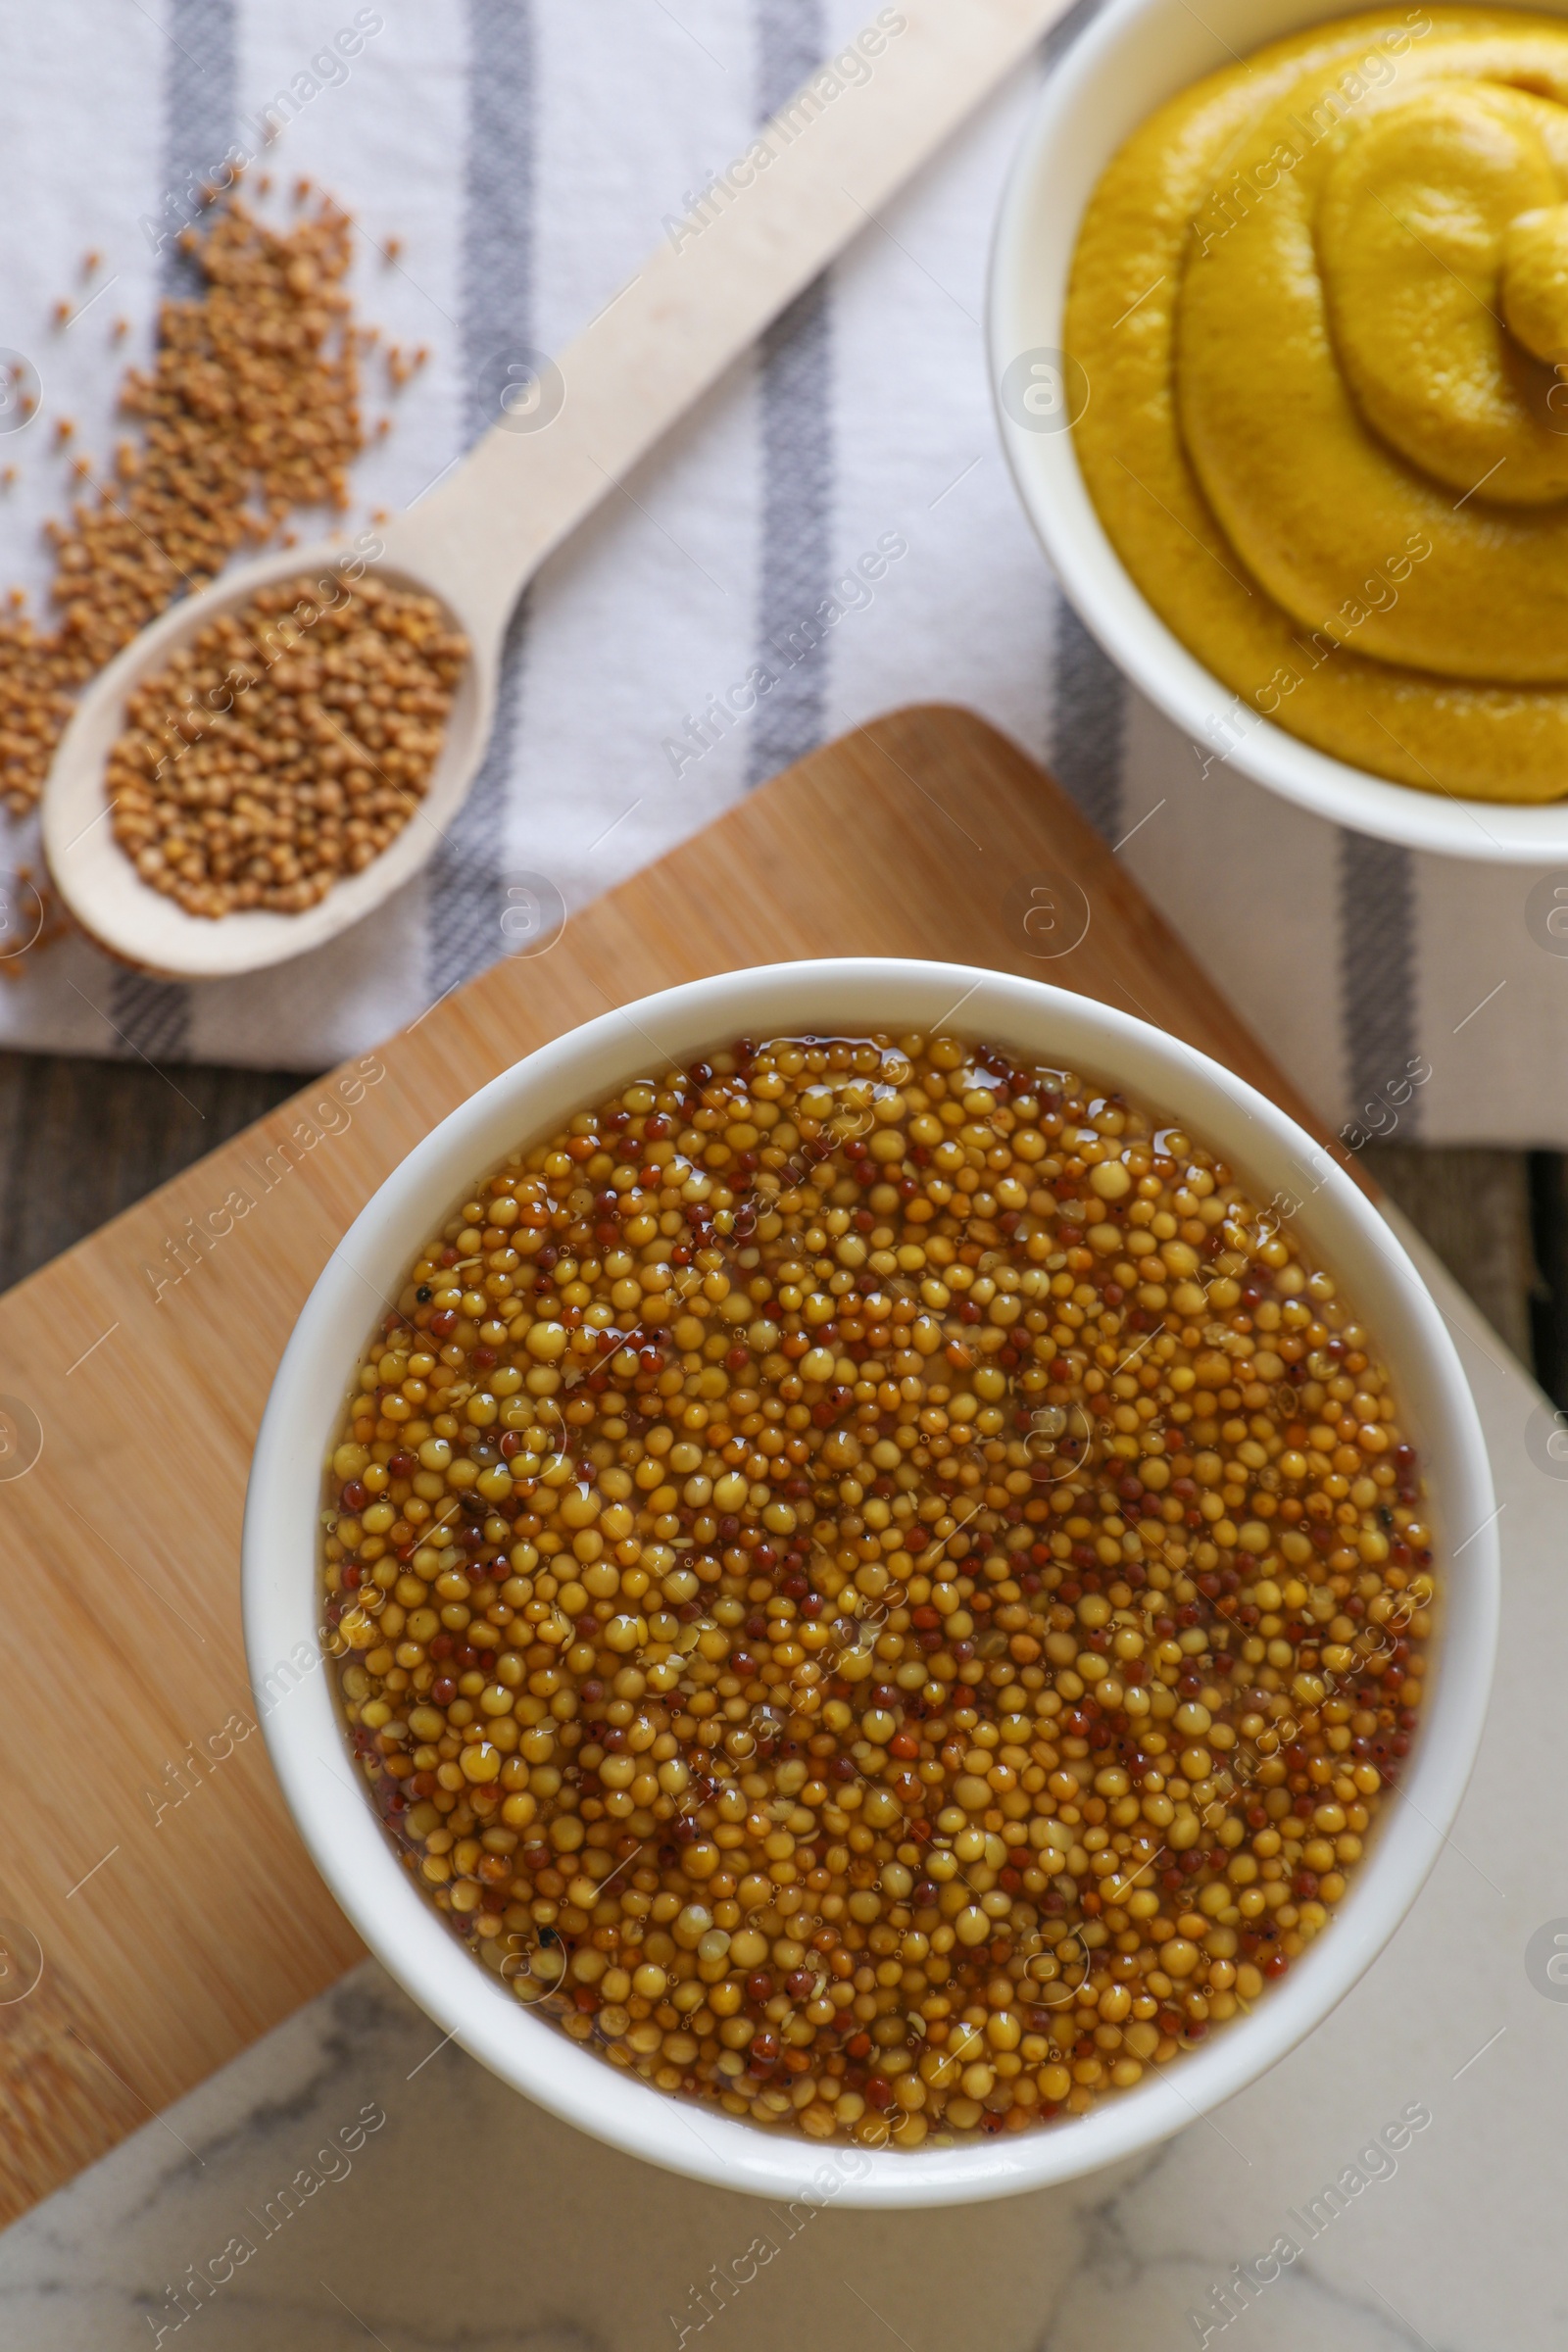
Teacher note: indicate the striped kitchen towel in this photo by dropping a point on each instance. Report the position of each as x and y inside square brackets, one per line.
[524, 154]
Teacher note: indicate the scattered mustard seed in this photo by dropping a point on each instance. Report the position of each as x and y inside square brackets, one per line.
[251, 410]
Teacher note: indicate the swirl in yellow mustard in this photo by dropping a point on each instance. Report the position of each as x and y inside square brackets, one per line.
[1321, 300]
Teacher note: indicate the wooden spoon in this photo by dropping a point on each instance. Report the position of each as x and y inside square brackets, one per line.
[566, 433]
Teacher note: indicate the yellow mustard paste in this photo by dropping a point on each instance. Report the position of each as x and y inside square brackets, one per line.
[1320, 300]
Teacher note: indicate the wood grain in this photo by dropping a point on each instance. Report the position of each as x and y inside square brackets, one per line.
[1473, 1206]
[82, 1138]
[143, 1841]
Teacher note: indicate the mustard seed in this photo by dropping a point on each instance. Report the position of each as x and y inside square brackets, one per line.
[251, 410]
[285, 746]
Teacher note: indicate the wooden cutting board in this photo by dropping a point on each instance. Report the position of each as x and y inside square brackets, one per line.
[157, 1911]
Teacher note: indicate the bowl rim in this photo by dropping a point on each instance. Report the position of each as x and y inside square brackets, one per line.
[297, 1709]
[1032, 244]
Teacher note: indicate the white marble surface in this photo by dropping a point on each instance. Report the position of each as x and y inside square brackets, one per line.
[468, 2222]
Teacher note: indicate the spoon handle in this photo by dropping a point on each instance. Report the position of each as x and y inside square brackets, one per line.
[818, 172]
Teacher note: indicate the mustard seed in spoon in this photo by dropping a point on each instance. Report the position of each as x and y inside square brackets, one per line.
[286, 745]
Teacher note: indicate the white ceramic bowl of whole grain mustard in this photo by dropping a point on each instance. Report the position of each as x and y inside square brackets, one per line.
[1130, 61]
[367, 1269]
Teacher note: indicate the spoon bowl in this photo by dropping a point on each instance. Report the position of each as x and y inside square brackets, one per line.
[140, 925]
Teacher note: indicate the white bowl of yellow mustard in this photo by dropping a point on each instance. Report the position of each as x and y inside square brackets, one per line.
[1279, 334]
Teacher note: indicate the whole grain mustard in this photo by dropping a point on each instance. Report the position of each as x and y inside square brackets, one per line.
[876, 1587]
